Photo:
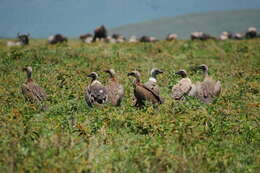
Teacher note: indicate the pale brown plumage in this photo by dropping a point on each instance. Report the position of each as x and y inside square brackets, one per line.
[30, 89]
[152, 82]
[114, 89]
[183, 87]
[208, 88]
[143, 93]
[95, 93]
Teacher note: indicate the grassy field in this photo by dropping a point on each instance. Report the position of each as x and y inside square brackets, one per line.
[174, 137]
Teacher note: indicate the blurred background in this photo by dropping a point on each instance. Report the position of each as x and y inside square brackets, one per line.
[42, 18]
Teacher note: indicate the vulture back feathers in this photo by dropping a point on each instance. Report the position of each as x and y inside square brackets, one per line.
[208, 88]
[95, 93]
[152, 82]
[143, 93]
[30, 89]
[183, 87]
[114, 89]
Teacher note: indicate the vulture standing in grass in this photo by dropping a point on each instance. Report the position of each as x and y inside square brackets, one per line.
[95, 93]
[183, 87]
[143, 93]
[114, 89]
[152, 82]
[31, 91]
[208, 88]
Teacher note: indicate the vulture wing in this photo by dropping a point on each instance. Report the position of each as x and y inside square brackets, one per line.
[115, 93]
[181, 88]
[153, 94]
[33, 92]
[97, 93]
[152, 86]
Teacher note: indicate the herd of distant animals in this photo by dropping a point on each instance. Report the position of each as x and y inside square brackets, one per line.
[100, 33]
[98, 94]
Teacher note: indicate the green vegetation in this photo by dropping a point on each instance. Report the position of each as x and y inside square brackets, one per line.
[211, 22]
[174, 137]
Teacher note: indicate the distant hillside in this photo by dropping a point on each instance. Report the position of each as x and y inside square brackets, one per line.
[210, 22]
[72, 18]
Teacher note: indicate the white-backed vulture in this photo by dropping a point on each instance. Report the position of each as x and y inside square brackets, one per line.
[183, 87]
[142, 93]
[30, 89]
[114, 89]
[208, 88]
[152, 82]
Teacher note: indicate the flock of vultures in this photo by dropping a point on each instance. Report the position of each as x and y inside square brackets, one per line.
[97, 94]
[100, 34]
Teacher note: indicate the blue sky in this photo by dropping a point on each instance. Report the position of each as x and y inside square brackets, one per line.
[73, 17]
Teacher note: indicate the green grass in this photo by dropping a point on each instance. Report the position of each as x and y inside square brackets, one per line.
[210, 22]
[174, 137]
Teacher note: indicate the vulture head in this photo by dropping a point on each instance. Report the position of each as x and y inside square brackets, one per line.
[28, 70]
[111, 72]
[155, 72]
[135, 74]
[204, 68]
[182, 73]
[93, 75]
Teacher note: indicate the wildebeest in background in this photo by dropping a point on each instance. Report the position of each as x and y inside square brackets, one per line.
[230, 35]
[115, 38]
[133, 39]
[57, 38]
[171, 37]
[86, 38]
[147, 39]
[110, 39]
[238, 36]
[23, 39]
[119, 38]
[225, 35]
[100, 33]
[201, 36]
[251, 33]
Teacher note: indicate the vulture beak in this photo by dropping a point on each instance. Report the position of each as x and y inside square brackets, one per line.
[200, 67]
[130, 74]
[178, 72]
[90, 75]
[24, 69]
[160, 71]
[107, 71]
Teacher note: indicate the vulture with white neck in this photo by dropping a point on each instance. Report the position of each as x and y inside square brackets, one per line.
[114, 89]
[143, 93]
[208, 88]
[31, 90]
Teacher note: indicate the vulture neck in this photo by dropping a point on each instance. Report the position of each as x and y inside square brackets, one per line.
[153, 75]
[206, 74]
[137, 80]
[112, 77]
[183, 75]
[153, 79]
[94, 81]
[29, 76]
